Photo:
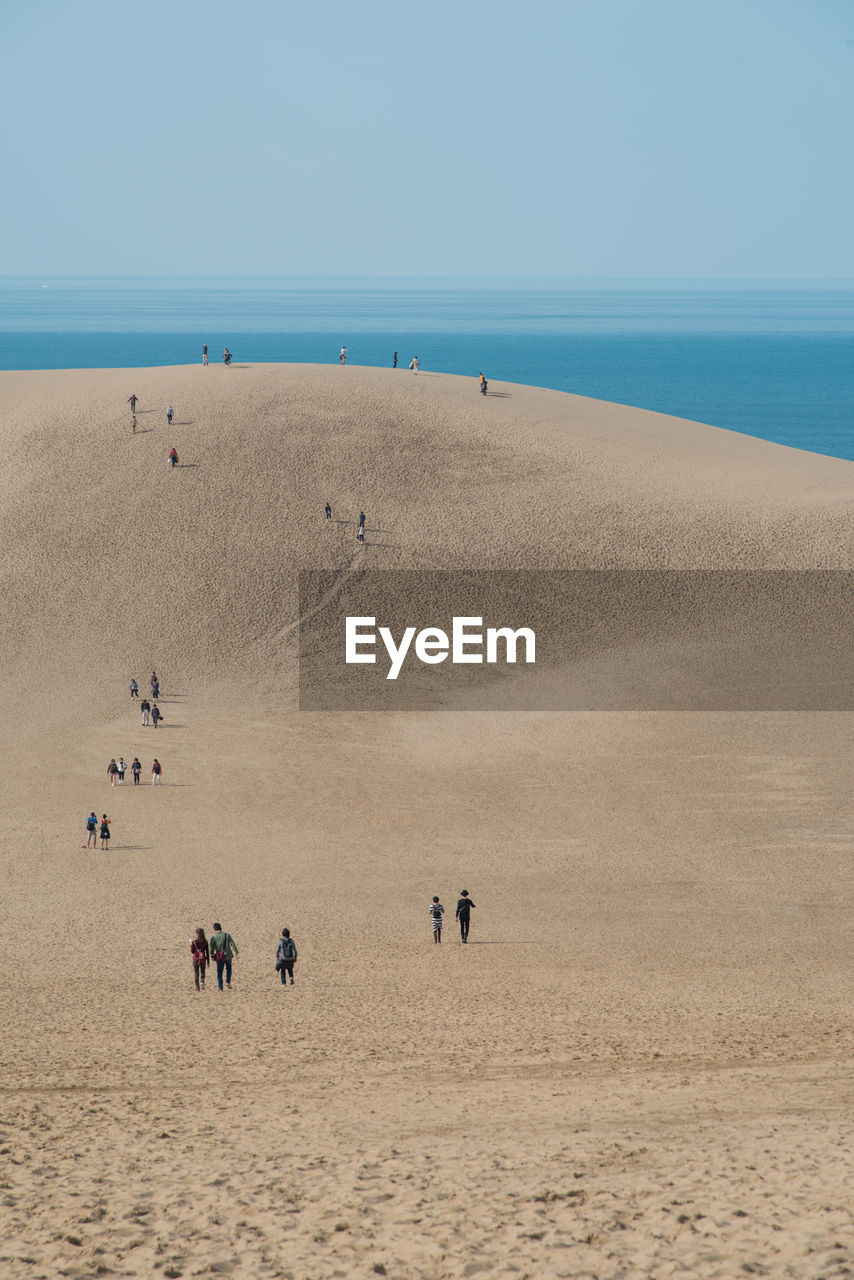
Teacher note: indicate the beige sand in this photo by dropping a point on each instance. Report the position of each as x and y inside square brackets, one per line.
[642, 1068]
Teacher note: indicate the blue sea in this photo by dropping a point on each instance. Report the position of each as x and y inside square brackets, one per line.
[773, 360]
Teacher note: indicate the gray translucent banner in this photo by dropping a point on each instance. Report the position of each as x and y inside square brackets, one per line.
[602, 641]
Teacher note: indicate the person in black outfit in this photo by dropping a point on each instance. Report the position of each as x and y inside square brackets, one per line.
[464, 907]
[394, 366]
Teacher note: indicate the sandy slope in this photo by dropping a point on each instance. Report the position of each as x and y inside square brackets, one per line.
[642, 1066]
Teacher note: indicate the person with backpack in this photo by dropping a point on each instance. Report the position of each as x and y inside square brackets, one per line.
[105, 832]
[223, 950]
[200, 953]
[156, 773]
[173, 458]
[112, 772]
[91, 831]
[136, 770]
[286, 954]
[156, 715]
[436, 913]
[155, 686]
[464, 907]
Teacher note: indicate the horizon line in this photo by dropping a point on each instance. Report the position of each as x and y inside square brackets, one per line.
[446, 280]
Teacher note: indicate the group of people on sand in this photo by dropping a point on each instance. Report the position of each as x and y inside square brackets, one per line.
[133, 401]
[221, 949]
[360, 532]
[117, 769]
[226, 355]
[463, 915]
[96, 827]
[151, 713]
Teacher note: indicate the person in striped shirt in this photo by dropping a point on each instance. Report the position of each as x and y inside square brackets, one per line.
[437, 911]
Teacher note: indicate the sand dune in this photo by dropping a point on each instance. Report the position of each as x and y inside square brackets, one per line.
[640, 1064]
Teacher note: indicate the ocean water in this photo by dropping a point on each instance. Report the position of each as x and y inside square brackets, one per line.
[773, 361]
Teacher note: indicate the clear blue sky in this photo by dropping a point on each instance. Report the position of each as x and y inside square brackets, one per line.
[655, 138]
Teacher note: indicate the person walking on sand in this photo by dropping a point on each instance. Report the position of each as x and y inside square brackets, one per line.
[112, 772]
[145, 708]
[170, 413]
[414, 365]
[136, 770]
[121, 766]
[173, 458]
[132, 401]
[342, 359]
[205, 354]
[482, 384]
[328, 510]
[91, 831]
[154, 685]
[436, 913]
[200, 953]
[464, 907]
[286, 954]
[105, 832]
[156, 715]
[133, 424]
[156, 772]
[361, 519]
[226, 357]
[223, 950]
[134, 690]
